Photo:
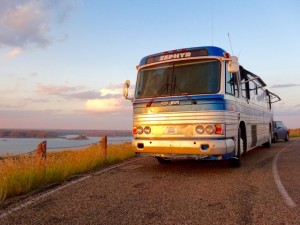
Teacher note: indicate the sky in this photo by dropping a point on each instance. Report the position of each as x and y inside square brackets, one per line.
[63, 63]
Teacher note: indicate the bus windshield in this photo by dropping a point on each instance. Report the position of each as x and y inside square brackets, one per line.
[179, 78]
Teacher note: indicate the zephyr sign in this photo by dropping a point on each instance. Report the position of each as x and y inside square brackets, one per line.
[175, 56]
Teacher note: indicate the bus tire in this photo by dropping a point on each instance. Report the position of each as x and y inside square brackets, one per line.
[275, 138]
[268, 144]
[236, 161]
[162, 160]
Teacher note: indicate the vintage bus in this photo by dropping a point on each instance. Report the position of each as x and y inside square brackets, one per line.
[199, 103]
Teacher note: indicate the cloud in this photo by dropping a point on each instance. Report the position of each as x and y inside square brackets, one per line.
[67, 106]
[13, 52]
[103, 101]
[56, 89]
[30, 22]
[287, 110]
[67, 91]
[110, 100]
[78, 92]
[107, 91]
[284, 85]
[34, 74]
[59, 119]
[103, 105]
[84, 95]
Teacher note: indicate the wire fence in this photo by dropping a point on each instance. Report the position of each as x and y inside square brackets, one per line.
[77, 146]
[41, 149]
[18, 155]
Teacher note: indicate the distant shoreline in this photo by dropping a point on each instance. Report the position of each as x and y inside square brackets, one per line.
[27, 133]
[78, 138]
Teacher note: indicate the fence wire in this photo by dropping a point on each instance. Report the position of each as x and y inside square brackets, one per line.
[74, 146]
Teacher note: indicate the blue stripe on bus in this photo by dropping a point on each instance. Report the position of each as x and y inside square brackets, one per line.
[207, 102]
[217, 97]
[230, 105]
[219, 157]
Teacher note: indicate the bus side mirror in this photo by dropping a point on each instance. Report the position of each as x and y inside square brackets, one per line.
[233, 65]
[125, 89]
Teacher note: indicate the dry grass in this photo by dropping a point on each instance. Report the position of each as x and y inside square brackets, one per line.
[294, 132]
[23, 174]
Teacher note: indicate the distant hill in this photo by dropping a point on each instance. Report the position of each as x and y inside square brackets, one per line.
[26, 133]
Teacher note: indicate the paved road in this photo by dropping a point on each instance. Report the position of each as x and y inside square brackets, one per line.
[265, 190]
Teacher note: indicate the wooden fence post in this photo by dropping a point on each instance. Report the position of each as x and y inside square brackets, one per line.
[103, 143]
[41, 150]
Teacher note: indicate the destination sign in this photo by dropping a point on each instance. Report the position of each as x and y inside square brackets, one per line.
[177, 55]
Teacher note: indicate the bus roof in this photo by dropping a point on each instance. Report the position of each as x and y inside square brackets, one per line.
[183, 53]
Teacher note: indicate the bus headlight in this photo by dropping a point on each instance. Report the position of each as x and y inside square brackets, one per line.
[139, 130]
[147, 130]
[210, 129]
[200, 129]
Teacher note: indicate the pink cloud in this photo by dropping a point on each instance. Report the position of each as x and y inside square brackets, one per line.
[56, 89]
[13, 53]
[30, 22]
[51, 119]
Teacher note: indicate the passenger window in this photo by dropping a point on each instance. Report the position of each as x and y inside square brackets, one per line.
[245, 86]
[253, 90]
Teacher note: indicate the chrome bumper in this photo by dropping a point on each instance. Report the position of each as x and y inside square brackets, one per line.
[196, 147]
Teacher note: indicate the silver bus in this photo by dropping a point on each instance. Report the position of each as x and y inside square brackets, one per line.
[199, 103]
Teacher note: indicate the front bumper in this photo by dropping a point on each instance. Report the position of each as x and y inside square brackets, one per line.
[192, 148]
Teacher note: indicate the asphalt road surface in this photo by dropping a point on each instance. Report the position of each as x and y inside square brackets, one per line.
[265, 190]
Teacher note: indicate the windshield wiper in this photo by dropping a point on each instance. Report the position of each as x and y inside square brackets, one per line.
[181, 92]
[193, 101]
[160, 91]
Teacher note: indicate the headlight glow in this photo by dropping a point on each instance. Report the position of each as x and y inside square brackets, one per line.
[210, 129]
[147, 130]
[139, 130]
[200, 129]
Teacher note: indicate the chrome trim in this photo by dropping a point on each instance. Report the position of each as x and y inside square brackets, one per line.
[183, 124]
[186, 146]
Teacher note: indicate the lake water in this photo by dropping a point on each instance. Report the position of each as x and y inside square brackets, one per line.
[13, 146]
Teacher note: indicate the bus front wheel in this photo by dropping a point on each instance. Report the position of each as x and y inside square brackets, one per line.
[163, 160]
[268, 144]
[236, 160]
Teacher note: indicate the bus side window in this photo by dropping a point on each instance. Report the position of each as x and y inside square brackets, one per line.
[245, 86]
[231, 86]
[253, 90]
[236, 87]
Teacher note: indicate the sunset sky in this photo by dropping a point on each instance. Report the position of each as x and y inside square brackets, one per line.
[63, 63]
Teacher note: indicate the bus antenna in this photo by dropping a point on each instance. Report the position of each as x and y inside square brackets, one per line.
[212, 26]
[230, 44]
